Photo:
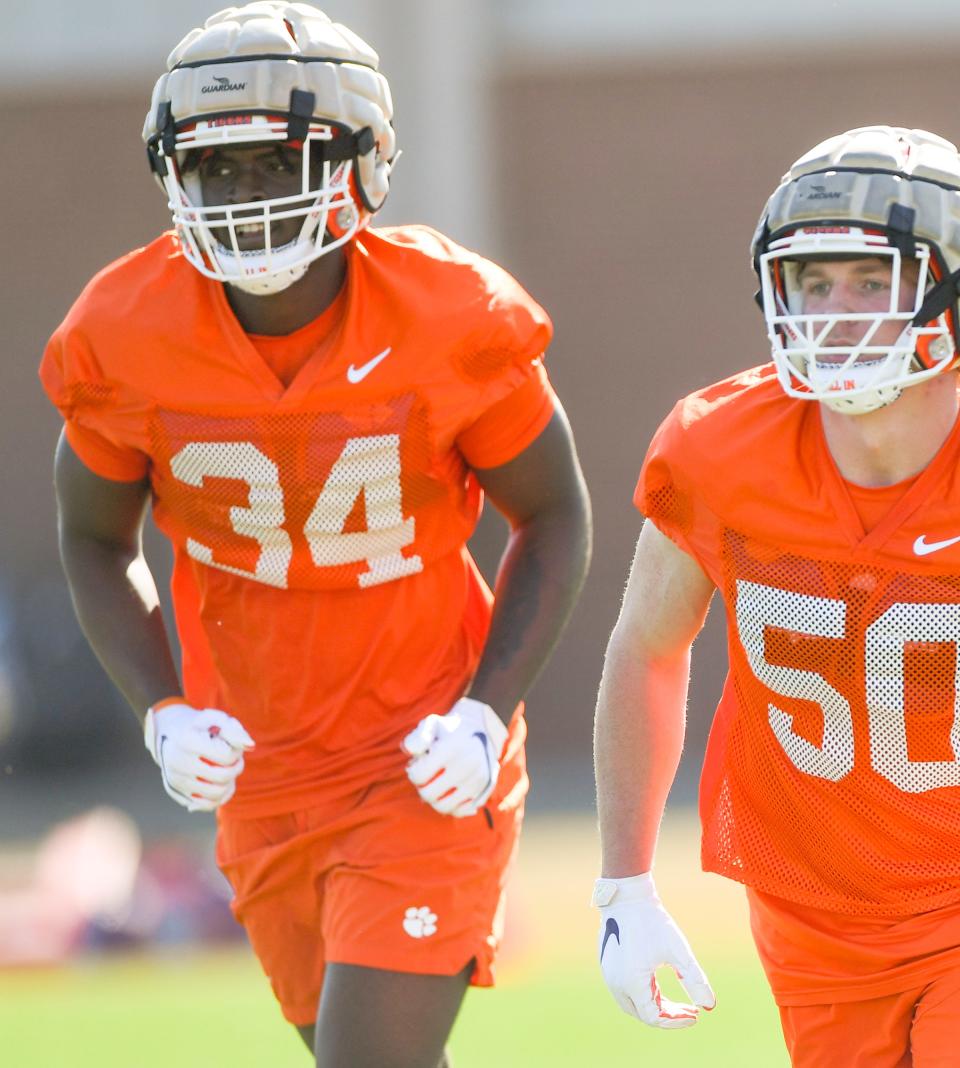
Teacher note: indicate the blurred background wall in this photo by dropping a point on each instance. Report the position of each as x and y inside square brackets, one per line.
[614, 156]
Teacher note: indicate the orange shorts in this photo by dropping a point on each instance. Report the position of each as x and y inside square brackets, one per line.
[914, 1029]
[378, 879]
[815, 957]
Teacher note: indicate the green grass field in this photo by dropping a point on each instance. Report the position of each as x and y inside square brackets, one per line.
[551, 1009]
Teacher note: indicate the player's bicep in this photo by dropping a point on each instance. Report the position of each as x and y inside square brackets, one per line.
[545, 478]
[666, 600]
[94, 508]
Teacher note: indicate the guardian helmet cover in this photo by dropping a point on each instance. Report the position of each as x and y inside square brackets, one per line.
[880, 193]
[282, 74]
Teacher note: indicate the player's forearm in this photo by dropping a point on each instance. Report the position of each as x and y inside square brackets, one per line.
[116, 602]
[639, 730]
[538, 582]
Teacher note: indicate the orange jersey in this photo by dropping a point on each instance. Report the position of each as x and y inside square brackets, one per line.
[322, 591]
[832, 773]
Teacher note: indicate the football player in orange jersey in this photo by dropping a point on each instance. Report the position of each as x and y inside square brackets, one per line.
[820, 495]
[314, 408]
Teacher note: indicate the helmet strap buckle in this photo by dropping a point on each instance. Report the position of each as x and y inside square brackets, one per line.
[302, 105]
[900, 225]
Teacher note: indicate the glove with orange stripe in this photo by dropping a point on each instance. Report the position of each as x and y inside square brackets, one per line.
[456, 757]
[199, 752]
[637, 936]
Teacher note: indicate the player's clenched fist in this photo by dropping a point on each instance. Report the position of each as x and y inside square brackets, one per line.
[199, 752]
[456, 757]
[637, 936]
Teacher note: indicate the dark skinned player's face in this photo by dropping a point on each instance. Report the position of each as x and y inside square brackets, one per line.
[240, 174]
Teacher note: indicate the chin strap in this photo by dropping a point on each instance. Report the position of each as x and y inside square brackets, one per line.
[938, 300]
[900, 234]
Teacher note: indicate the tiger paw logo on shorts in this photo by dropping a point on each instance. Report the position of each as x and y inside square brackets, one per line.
[420, 922]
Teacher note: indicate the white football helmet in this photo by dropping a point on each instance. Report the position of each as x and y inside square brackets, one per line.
[282, 73]
[878, 191]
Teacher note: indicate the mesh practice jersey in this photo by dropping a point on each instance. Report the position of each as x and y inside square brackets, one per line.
[295, 510]
[832, 773]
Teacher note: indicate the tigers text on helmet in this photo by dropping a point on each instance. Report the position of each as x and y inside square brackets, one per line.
[280, 73]
[875, 193]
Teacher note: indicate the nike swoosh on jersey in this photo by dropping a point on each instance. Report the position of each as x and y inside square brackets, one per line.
[922, 547]
[612, 930]
[358, 374]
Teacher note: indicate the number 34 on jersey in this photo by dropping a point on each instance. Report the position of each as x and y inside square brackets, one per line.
[356, 517]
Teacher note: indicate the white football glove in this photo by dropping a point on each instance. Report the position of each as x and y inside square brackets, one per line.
[456, 757]
[637, 936]
[199, 753]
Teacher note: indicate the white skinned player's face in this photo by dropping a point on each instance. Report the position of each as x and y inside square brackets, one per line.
[858, 286]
